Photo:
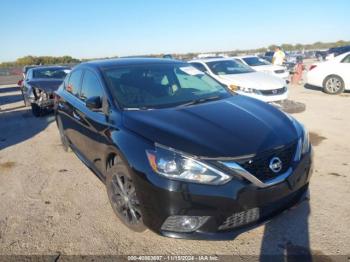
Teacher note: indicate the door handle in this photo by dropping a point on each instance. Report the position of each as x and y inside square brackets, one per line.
[76, 116]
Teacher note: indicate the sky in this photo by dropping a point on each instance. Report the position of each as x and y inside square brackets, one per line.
[102, 28]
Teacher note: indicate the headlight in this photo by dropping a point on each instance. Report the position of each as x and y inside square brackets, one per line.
[249, 90]
[175, 165]
[303, 144]
[306, 141]
[233, 87]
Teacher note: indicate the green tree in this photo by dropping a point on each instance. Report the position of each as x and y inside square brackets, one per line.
[287, 47]
[272, 47]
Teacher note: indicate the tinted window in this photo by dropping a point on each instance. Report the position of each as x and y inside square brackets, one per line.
[74, 82]
[255, 61]
[91, 86]
[29, 74]
[50, 73]
[199, 66]
[161, 86]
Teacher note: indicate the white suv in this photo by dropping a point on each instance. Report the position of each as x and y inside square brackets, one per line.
[243, 79]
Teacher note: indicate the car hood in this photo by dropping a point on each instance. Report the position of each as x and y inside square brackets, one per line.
[49, 85]
[268, 68]
[255, 80]
[230, 127]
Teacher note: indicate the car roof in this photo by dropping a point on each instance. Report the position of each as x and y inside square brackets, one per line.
[49, 67]
[244, 56]
[205, 60]
[106, 63]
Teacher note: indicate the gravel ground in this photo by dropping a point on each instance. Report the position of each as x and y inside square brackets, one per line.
[51, 203]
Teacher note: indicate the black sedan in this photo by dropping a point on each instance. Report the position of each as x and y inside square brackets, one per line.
[39, 85]
[179, 153]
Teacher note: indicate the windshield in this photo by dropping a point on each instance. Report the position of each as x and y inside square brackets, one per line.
[161, 86]
[229, 67]
[54, 73]
[255, 61]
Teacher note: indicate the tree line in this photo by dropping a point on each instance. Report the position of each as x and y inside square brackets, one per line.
[52, 60]
[41, 60]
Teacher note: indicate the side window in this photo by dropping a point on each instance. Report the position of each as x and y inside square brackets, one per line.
[346, 59]
[199, 66]
[65, 82]
[91, 86]
[29, 74]
[73, 85]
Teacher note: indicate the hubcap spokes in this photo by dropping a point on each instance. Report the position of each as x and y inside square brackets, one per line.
[124, 198]
[333, 85]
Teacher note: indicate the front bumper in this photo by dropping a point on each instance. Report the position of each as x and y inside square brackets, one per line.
[266, 98]
[161, 198]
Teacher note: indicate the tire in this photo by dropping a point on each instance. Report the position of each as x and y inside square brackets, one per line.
[122, 195]
[64, 139]
[36, 110]
[333, 85]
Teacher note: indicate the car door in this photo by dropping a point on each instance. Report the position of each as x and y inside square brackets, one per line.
[66, 107]
[93, 123]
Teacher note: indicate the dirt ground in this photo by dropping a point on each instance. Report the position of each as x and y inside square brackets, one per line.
[50, 203]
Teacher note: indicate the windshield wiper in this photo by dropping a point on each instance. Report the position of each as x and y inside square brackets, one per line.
[200, 101]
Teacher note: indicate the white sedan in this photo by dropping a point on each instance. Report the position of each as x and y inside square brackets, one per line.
[243, 79]
[333, 75]
[261, 65]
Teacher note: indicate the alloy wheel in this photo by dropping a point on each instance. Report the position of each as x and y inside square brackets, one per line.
[124, 198]
[333, 85]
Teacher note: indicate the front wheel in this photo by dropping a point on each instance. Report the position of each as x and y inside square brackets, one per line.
[122, 194]
[333, 85]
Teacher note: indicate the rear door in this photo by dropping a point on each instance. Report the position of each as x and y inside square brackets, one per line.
[66, 107]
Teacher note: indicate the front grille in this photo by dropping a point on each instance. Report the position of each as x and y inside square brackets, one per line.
[259, 165]
[273, 91]
[279, 71]
[264, 212]
[241, 218]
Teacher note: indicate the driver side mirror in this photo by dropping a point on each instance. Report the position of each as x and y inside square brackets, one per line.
[94, 103]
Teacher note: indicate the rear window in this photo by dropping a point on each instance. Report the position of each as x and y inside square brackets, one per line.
[52, 73]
